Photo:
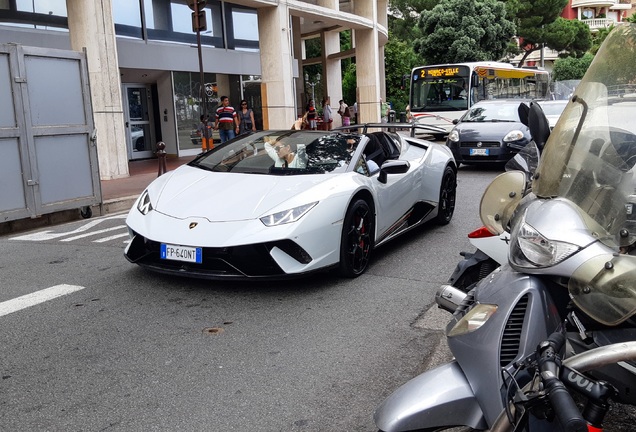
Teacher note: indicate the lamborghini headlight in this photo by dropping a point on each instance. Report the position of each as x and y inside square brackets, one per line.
[144, 205]
[287, 216]
[514, 135]
[474, 319]
[530, 249]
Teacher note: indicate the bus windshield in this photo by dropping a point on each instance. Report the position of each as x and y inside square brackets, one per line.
[443, 93]
[440, 89]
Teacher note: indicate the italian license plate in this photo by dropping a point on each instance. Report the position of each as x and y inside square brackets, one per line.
[478, 152]
[181, 253]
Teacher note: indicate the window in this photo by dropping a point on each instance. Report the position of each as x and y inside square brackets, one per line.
[172, 21]
[187, 99]
[46, 7]
[127, 18]
[242, 28]
[40, 14]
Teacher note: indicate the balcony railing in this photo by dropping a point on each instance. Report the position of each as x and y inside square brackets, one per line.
[599, 23]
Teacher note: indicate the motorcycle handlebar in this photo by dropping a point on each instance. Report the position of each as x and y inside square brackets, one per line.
[563, 405]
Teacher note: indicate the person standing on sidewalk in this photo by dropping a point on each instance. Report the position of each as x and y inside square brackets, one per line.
[345, 113]
[205, 131]
[327, 117]
[227, 122]
[246, 118]
[311, 115]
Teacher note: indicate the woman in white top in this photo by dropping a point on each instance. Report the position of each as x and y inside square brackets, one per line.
[327, 117]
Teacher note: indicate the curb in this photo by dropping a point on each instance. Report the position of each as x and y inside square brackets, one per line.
[114, 205]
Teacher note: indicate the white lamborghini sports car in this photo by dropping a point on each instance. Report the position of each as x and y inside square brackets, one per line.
[285, 203]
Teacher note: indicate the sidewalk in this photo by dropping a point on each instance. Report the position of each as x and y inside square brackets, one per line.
[117, 196]
[120, 194]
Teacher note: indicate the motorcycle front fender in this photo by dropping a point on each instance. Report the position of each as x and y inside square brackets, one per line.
[440, 397]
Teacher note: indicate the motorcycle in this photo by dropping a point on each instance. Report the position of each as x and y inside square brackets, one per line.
[571, 269]
[491, 241]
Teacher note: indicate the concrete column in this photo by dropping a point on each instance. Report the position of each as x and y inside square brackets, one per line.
[383, 20]
[332, 72]
[297, 64]
[91, 26]
[367, 65]
[332, 69]
[277, 89]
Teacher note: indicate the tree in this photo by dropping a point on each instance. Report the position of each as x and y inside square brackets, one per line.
[571, 68]
[400, 59]
[404, 15]
[464, 30]
[539, 24]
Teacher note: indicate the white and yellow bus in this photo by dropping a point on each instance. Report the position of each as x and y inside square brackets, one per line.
[441, 93]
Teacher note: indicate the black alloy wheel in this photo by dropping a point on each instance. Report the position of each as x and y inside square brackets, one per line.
[357, 239]
[447, 194]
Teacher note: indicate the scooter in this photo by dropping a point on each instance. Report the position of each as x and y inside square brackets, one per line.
[491, 242]
[572, 256]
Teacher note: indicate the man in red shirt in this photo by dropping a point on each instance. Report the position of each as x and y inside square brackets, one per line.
[226, 120]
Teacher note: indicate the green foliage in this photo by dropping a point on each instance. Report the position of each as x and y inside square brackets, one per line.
[539, 23]
[569, 36]
[399, 60]
[349, 83]
[571, 68]
[403, 17]
[464, 30]
[617, 56]
[601, 34]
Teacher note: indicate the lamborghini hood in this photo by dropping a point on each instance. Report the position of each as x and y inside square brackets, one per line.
[223, 197]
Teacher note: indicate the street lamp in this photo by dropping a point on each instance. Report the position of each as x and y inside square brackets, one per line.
[312, 84]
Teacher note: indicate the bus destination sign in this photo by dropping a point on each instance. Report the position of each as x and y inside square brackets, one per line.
[439, 72]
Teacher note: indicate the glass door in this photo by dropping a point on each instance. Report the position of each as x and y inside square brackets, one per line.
[139, 137]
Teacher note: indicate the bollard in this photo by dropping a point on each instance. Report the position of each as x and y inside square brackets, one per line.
[161, 155]
[391, 119]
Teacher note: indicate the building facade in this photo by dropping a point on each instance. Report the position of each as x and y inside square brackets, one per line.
[149, 84]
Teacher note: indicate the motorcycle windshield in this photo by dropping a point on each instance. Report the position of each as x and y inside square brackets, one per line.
[603, 287]
[590, 155]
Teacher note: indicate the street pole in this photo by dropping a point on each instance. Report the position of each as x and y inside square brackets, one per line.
[202, 94]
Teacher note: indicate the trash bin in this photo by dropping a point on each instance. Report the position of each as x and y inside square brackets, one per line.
[391, 116]
[402, 117]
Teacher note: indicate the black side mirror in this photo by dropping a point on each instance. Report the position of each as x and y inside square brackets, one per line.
[392, 167]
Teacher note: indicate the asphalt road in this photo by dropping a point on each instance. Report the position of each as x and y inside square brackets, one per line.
[131, 350]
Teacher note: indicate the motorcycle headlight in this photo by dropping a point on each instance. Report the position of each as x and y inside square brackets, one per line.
[453, 135]
[287, 216]
[474, 319]
[530, 249]
[144, 205]
[514, 135]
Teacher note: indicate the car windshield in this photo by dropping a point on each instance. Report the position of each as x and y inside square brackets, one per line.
[553, 108]
[499, 112]
[282, 153]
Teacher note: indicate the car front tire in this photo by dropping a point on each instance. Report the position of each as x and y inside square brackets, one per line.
[447, 195]
[356, 242]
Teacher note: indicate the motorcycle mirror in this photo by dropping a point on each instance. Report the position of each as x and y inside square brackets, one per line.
[538, 124]
[500, 199]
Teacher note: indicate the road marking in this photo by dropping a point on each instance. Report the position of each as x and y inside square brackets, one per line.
[50, 235]
[37, 297]
[92, 233]
[113, 237]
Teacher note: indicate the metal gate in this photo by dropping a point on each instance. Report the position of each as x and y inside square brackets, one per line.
[48, 153]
